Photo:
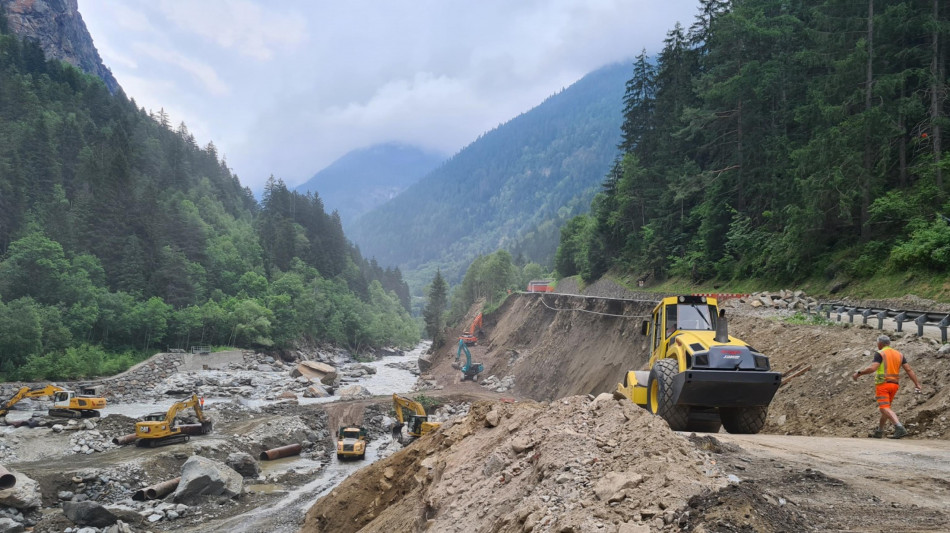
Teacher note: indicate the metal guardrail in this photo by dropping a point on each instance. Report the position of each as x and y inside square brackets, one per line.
[920, 318]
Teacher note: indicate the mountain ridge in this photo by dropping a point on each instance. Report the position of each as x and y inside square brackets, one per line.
[58, 28]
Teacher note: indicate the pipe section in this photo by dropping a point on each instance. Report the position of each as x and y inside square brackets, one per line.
[7, 480]
[124, 439]
[156, 491]
[283, 451]
[192, 429]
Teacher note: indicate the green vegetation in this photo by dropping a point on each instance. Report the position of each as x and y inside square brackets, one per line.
[119, 236]
[511, 189]
[812, 320]
[784, 143]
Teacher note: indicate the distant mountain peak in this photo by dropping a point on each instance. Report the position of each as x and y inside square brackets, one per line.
[365, 178]
[58, 28]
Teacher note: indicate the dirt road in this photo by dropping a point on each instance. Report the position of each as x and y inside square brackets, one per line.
[844, 484]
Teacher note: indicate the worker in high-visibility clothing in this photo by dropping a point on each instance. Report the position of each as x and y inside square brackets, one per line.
[886, 367]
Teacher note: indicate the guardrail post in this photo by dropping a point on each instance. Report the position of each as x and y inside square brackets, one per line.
[851, 313]
[828, 311]
[880, 319]
[943, 328]
[865, 314]
[920, 321]
[900, 320]
[838, 312]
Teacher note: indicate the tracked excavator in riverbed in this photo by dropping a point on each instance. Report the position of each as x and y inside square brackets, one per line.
[160, 429]
[66, 403]
[699, 378]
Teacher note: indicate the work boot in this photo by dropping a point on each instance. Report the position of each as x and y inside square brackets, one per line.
[878, 433]
[899, 432]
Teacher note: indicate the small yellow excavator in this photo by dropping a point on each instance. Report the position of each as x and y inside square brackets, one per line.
[66, 403]
[419, 424]
[160, 429]
[699, 378]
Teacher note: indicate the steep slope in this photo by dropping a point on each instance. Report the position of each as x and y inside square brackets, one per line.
[58, 28]
[522, 179]
[366, 178]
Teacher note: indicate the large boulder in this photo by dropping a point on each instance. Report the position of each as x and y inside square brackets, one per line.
[202, 477]
[9, 525]
[355, 392]
[24, 495]
[244, 464]
[88, 513]
[425, 362]
[321, 372]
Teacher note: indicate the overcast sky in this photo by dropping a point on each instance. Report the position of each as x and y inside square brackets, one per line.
[286, 87]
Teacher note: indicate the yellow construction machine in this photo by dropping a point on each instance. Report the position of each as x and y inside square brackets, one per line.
[160, 429]
[66, 403]
[418, 421]
[351, 443]
[699, 378]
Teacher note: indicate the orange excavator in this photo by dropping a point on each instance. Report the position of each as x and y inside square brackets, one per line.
[470, 336]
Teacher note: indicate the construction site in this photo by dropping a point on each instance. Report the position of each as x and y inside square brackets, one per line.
[547, 414]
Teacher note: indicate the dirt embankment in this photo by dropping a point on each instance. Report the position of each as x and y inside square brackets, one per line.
[571, 465]
[576, 464]
[554, 345]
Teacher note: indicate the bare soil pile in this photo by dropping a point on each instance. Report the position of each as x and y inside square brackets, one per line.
[575, 464]
[824, 400]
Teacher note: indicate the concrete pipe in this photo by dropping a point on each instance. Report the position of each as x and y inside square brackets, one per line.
[124, 439]
[7, 480]
[156, 491]
[283, 451]
[191, 429]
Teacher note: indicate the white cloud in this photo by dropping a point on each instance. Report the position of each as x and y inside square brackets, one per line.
[200, 71]
[286, 87]
[251, 29]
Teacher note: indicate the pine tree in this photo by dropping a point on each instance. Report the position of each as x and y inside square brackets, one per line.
[434, 312]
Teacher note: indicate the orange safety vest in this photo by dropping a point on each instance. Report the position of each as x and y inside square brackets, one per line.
[890, 369]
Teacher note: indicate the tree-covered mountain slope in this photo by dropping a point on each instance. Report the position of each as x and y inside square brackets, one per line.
[120, 235]
[366, 178]
[512, 188]
[783, 141]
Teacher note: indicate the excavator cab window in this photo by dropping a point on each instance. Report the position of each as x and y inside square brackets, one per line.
[61, 396]
[694, 317]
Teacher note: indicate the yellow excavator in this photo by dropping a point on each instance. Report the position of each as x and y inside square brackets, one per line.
[699, 378]
[418, 421]
[160, 429]
[66, 403]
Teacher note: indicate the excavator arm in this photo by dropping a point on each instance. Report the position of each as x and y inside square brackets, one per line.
[20, 394]
[418, 421]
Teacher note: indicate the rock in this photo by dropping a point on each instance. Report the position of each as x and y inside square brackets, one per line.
[321, 372]
[24, 495]
[522, 443]
[492, 418]
[201, 476]
[265, 368]
[630, 527]
[9, 525]
[65, 495]
[354, 392]
[88, 514]
[287, 395]
[119, 527]
[316, 391]
[244, 464]
[607, 487]
[425, 362]
[57, 428]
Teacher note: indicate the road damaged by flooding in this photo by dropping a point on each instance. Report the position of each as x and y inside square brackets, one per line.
[540, 444]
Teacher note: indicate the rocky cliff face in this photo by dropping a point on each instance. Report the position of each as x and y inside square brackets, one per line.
[60, 31]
